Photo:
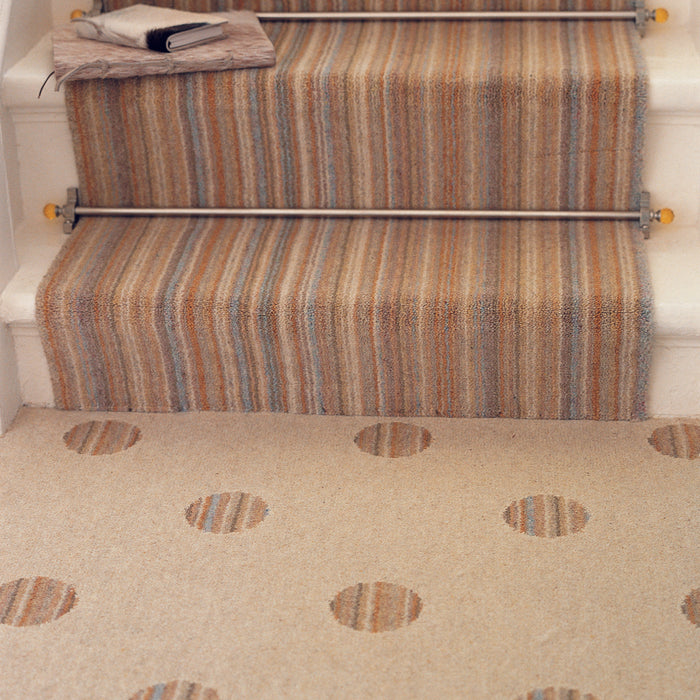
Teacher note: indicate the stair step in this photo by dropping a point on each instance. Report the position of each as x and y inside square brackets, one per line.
[521, 319]
[350, 118]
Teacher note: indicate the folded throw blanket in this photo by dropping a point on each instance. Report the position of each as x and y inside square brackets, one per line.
[154, 28]
[245, 45]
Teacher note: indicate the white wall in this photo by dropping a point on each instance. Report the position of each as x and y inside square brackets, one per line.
[22, 23]
[9, 385]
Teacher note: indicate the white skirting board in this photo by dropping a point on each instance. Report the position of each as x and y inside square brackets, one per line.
[672, 175]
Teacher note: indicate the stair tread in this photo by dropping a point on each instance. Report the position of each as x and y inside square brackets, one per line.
[673, 254]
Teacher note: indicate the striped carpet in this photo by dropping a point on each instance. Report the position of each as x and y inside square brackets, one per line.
[380, 115]
[402, 318]
[349, 317]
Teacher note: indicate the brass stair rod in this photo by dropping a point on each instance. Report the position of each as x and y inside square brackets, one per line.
[448, 15]
[639, 14]
[645, 215]
[357, 213]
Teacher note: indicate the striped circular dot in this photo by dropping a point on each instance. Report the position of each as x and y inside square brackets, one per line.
[546, 516]
[556, 694]
[691, 606]
[101, 437]
[226, 512]
[680, 440]
[34, 601]
[393, 439]
[376, 607]
[176, 690]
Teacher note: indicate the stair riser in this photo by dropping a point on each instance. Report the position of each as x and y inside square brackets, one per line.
[674, 387]
[490, 122]
[672, 164]
[671, 169]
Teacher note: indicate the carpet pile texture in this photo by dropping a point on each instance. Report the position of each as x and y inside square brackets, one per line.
[364, 317]
[472, 115]
[224, 556]
[349, 317]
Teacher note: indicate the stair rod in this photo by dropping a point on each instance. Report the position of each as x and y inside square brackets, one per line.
[451, 14]
[465, 15]
[639, 14]
[645, 215]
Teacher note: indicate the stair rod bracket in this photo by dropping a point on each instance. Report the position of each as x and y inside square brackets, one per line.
[646, 215]
[71, 210]
[643, 15]
[67, 211]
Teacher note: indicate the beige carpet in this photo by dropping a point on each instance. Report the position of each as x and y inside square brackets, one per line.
[277, 556]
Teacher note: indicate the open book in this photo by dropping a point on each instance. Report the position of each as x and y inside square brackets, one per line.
[148, 27]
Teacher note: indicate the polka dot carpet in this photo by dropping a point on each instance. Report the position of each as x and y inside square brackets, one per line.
[101, 437]
[393, 439]
[680, 440]
[556, 694]
[176, 690]
[338, 575]
[226, 512]
[376, 607]
[691, 606]
[546, 516]
[34, 601]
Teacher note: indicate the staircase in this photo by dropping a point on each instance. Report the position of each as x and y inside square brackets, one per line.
[671, 173]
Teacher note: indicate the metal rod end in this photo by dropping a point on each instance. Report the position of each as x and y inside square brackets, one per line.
[52, 211]
[660, 15]
[664, 216]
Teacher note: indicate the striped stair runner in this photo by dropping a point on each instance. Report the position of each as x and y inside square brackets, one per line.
[383, 115]
[370, 317]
